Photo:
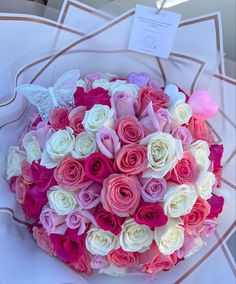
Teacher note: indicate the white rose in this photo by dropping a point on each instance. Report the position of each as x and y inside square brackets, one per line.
[63, 202]
[60, 144]
[101, 83]
[123, 86]
[14, 161]
[83, 84]
[179, 200]
[163, 153]
[135, 237]
[170, 237]
[98, 116]
[114, 270]
[198, 244]
[201, 152]
[204, 184]
[181, 113]
[85, 145]
[100, 242]
[32, 147]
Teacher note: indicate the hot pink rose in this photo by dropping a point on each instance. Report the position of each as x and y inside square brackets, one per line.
[108, 142]
[200, 130]
[121, 194]
[99, 262]
[197, 215]
[129, 129]
[207, 228]
[121, 258]
[153, 189]
[186, 169]
[59, 118]
[93, 97]
[26, 172]
[20, 188]
[158, 98]
[76, 117]
[43, 240]
[216, 206]
[153, 261]
[68, 247]
[52, 223]
[97, 167]
[82, 265]
[70, 173]
[202, 105]
[151, 215]
[132, 159]
[123, 104]
[108, 221]
[89, 196]
[216, 153]
[182, 133]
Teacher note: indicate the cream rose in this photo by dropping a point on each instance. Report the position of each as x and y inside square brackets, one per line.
[14, 161]
[201, 152]
[85, 145]
[204, 184]
[170, 237]
[63, 202]
[163, 153]
[123, 86]
[100, 242]
[179, 200]
[135, 237]
[102, 83]
[83, 84]
[181, 113]
[98, 116]
[32, 147]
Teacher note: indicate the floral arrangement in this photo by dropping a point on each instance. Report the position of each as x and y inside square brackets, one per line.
[116, 174]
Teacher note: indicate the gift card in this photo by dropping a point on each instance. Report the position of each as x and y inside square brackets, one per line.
[153, 32]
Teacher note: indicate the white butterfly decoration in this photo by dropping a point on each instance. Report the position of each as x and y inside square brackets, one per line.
[61, 95]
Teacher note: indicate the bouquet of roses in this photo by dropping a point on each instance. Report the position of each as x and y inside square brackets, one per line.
[118, 174]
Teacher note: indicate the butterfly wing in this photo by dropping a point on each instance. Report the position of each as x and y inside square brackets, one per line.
[68, 80]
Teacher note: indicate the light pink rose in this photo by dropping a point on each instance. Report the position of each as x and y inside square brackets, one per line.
[52, 223]
[123, 104]
[20, 189]
[108, 142]
[207, 228]
[43, 132]
[202, 105]
[121, 194]
[76, 117]
[187, 246]
[89, 196]
[43, 240]
[182, 133]
[99, 262]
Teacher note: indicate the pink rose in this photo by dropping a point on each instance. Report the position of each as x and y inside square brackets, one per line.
[129, 129]
[153, 261]
[70, 173]
[151, 215]
[108, 221]
[186, 169]
[216, 206]
[99, 262]
[76, 117]
[153, 189]
[52, 223]
[43, 240]
[121, 194]
[216, 153]
[35, 119]
[187, 246]
[132, 159]
[207, 228]
[108, 142]
[20, 188]
[26, 172]
[82, 265]
[123, 104]
[93, 97]
[121, 258]
[89, 196]
[183, 134]
[97, 167]
[197, 215]
[202, 105]
[68, 247]
[157, 97]
[200, 130]
[59, 118]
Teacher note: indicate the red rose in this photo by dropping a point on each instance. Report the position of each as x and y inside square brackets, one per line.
[108, 221]
[59, 118]
[97, 167]
[200, 130]
[93, 97]
[68, 247]
[151, 215]
[158, 98]
[132, 159]
[197, 215]
[129, 129]
[216, 206]
[186, 169]
[121, 258]
[216, 153]
[76, 117]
